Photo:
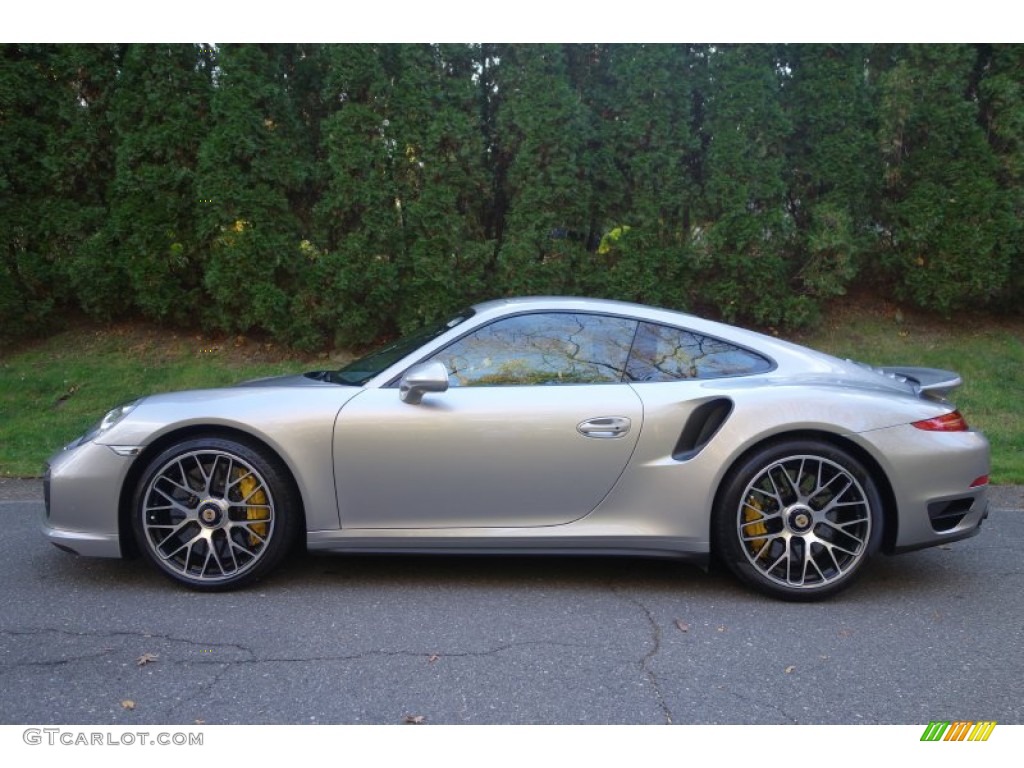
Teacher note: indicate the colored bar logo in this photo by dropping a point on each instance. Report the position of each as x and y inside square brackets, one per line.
[959, 730]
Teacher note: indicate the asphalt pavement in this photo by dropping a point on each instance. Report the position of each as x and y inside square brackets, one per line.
[930, 635]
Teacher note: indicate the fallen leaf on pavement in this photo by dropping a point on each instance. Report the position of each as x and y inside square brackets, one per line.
[683, 626]
[128, 704]
[146, 658]
[414, 720]
[789, 669]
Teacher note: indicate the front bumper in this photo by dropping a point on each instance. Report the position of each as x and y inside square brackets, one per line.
[82, 489]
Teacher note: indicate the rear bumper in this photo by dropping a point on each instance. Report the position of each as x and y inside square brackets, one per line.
[970, 526]
[933, 477]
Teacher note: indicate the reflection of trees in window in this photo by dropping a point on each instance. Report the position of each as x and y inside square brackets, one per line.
[661, 353]
[557, 348]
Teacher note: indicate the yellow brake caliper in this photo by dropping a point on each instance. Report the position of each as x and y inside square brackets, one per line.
[256, 506]
[753, 523]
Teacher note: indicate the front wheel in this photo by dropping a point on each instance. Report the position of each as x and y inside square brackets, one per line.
[214, 514]
[798, 519]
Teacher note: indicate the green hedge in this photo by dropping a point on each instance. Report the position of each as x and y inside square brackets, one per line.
[332, 194]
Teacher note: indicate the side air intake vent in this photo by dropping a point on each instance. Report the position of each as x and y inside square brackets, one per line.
[702, 425]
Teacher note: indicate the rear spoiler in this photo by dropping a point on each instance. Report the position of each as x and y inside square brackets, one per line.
[927, 381]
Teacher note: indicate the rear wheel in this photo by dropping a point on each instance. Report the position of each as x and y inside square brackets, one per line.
[214, 514]
[798, 519]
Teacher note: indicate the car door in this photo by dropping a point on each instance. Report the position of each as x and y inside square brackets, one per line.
[534, 430]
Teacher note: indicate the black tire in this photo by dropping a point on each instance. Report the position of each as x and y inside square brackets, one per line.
[798, 519]
[215, 514]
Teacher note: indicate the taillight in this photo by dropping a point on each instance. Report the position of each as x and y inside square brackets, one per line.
[949, 422]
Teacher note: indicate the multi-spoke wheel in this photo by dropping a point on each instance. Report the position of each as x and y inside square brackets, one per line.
[214, 514]
[798, 519]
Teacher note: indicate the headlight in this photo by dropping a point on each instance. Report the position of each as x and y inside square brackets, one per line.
[112, 417]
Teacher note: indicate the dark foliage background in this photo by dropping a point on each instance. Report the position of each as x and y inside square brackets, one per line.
[331, 194]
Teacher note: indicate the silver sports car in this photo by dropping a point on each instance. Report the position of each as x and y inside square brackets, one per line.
[537, 425]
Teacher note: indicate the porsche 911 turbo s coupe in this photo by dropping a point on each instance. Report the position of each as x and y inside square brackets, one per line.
[537, 425]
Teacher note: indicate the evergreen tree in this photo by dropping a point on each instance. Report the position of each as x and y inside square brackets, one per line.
[359, 222]
[404, 204]
[55, 165]
[439, 181]
[27, 112]
[833, 168]
[944, 213]
[741, 241]
[160, 115]
[85, 151]
[542, 134]
[256, 164]
[1001, 94]
[648, 130]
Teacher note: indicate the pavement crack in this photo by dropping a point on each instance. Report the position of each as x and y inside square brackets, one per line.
[644, 663]
[413, 654]
[151, 638]
[252, 657]
[116, 634]
[59, 662]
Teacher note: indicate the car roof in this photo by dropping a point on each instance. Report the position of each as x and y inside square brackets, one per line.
[566, 302]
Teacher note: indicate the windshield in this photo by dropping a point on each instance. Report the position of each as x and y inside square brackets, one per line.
[362, 369]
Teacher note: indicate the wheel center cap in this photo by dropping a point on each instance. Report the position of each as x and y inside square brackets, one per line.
[800, 520]
[210, 513]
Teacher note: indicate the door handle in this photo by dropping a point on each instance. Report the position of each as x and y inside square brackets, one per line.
[604, 426]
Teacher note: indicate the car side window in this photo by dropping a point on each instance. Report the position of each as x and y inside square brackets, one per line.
[543, 348]
[663, 353]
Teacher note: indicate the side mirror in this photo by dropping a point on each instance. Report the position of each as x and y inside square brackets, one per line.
[420, 379]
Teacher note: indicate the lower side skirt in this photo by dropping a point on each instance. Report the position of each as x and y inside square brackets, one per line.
[654, 546]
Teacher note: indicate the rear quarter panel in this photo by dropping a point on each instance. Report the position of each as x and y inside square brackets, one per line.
[675, 498]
